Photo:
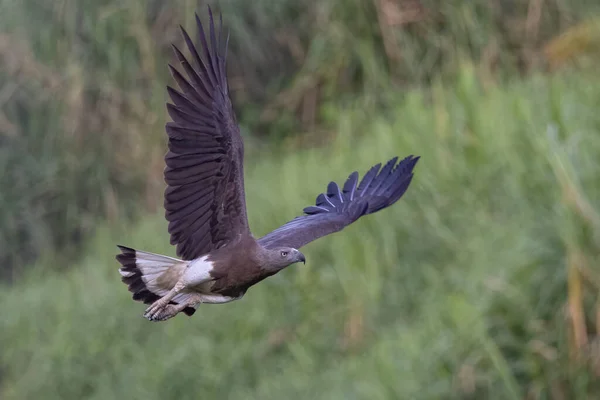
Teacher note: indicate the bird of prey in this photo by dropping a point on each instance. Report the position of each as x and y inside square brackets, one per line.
[205, 201]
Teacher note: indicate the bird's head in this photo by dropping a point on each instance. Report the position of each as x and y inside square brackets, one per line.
[282, 257]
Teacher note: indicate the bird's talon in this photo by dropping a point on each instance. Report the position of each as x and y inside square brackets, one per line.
[154, 310]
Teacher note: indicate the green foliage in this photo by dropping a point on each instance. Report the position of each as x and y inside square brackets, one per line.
[82, 87]
[458, 291]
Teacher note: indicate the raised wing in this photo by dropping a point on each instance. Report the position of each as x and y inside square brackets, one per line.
[204, 201]
[339, 208]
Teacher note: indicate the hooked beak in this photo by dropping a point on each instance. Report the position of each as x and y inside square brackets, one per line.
[301, 258]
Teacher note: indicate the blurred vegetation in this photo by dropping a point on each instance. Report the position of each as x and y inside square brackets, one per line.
[481, 283]
[82, 88]
[457, 292]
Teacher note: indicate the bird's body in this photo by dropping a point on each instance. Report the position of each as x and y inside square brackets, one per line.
[205, 201]
[221, 276]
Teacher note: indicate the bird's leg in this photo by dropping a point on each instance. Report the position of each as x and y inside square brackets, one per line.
[156, 309]
[170, 310]
[158, 312]
[196, 273]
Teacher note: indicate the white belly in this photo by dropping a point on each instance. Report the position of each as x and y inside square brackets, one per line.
[198, 272]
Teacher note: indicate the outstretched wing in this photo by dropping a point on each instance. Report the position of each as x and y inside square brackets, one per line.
[204, 201]
[339, 208]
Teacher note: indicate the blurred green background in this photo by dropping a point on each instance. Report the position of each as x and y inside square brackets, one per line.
[481, 283]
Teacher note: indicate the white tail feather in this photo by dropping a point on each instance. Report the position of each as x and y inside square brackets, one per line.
[159, 273]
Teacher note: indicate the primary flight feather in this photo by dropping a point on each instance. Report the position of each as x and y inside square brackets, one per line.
[205, 201]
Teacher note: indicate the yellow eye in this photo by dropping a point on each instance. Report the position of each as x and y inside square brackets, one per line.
[284, 253]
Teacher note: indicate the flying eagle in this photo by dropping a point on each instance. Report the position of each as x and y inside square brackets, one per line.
[205, 201]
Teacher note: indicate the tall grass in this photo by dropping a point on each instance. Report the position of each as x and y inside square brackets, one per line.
[458, 291]
[82, 87]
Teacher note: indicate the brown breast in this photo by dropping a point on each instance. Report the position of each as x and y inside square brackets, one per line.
[236, 267]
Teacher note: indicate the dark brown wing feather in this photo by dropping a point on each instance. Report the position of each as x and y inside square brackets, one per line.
[204, 201]
[339, 208]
